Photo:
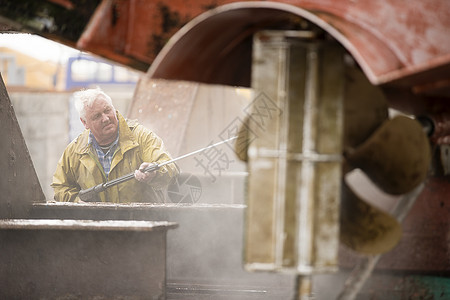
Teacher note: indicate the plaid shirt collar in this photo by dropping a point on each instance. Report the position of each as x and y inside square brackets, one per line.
[105, 159]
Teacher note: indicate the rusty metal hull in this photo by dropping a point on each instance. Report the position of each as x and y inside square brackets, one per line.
[376, 35]
[425, 245]
[68, 259]
[394, 43]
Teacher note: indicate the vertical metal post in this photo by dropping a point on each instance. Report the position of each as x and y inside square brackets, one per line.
[306, 201]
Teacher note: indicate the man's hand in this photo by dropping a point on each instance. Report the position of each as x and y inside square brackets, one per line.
[142, 176]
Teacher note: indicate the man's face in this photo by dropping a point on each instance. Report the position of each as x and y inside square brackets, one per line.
[101, 119]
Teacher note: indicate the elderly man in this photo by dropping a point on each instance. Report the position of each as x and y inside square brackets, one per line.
[111, 147]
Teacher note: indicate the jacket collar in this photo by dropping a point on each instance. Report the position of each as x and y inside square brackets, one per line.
[126, 138]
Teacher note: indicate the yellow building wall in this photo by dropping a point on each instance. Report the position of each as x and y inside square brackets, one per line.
[38, 74]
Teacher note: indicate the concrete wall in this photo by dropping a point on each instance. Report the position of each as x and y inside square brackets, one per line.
[44, 118]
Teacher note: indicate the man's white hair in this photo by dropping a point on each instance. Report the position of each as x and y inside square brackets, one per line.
[85, 98]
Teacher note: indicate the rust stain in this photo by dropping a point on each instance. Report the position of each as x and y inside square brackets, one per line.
[171, 21]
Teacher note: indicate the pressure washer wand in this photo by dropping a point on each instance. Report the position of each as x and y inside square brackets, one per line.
[90, 195]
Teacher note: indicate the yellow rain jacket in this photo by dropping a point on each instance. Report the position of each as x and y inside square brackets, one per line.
[79, 167]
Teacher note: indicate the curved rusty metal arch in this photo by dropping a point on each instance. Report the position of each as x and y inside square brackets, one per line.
[215, 47]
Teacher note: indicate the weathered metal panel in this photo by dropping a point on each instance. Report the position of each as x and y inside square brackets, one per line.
[166, 108]
[79, 259]
[19, 184]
